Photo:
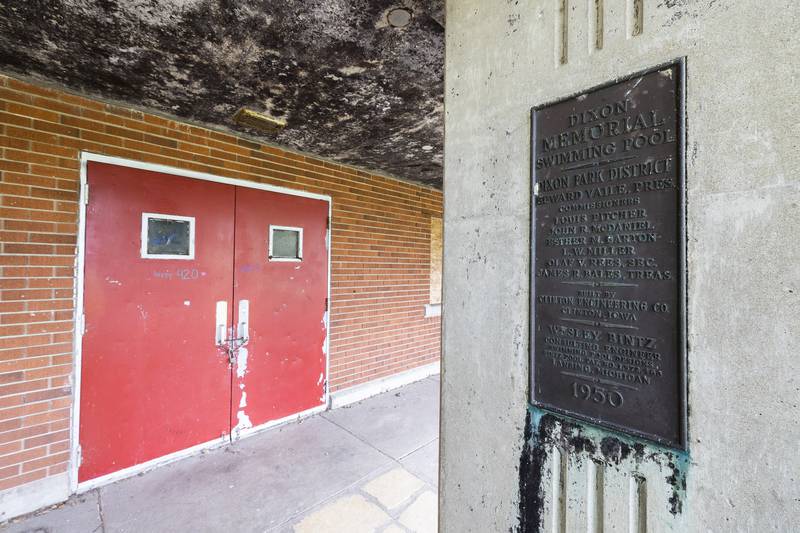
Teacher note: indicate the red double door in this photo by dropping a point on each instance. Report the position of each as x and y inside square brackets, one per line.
[204, 313]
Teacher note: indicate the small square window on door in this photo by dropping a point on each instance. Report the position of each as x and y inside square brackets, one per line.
[285, 243]
[167, 236]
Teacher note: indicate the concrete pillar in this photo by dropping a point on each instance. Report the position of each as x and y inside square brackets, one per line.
[508, 467]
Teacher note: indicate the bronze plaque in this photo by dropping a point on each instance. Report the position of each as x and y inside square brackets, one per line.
[607, 336]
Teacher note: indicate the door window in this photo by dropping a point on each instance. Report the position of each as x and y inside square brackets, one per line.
[285, 243]
[167, 236]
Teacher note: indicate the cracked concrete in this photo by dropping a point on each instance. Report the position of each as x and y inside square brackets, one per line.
[333, 472]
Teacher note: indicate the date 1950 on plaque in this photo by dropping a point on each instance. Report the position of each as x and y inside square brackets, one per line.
[607, 342]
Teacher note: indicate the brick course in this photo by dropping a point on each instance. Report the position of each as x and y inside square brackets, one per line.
[380, 258]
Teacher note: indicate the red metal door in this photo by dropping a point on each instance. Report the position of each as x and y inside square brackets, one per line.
[152, 380]
[281, 271]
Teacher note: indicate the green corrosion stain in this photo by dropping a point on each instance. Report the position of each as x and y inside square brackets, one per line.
[545, 430]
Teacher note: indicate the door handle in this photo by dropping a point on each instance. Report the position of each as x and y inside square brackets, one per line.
[242, 331]
[221, 326]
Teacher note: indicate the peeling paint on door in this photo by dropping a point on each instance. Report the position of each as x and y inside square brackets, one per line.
[283, 369]
[169, 365]
[242, 420]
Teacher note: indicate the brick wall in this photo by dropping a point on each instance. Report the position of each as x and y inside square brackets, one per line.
[380, 254]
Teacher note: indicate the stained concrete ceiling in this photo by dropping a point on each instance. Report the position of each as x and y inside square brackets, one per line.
[351, 86]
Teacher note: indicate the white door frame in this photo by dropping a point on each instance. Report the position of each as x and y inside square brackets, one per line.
[79, 320]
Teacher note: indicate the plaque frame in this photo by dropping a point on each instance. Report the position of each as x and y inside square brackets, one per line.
[681, 320]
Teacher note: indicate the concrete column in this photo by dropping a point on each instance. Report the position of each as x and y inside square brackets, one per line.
[508, 467]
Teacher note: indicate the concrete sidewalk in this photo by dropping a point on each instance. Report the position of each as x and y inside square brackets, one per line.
[369, 467]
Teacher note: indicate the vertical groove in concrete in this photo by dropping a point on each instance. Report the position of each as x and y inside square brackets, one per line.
[594, 498]
[595, 24]
[637, 504]
[559, 492]
[562, 32]
[635, 16]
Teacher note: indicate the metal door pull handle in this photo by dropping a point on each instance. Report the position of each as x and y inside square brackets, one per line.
[237, 337]
[244, 319]
[221, 325]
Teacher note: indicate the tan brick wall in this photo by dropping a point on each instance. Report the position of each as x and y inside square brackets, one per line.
[380, 254]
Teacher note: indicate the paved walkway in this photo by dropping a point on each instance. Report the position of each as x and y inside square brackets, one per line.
[369, 467]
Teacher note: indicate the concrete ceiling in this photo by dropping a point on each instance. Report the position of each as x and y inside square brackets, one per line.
[351, 86]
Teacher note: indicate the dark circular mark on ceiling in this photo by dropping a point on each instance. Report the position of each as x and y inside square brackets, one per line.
[399, 17]
[353, 82]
